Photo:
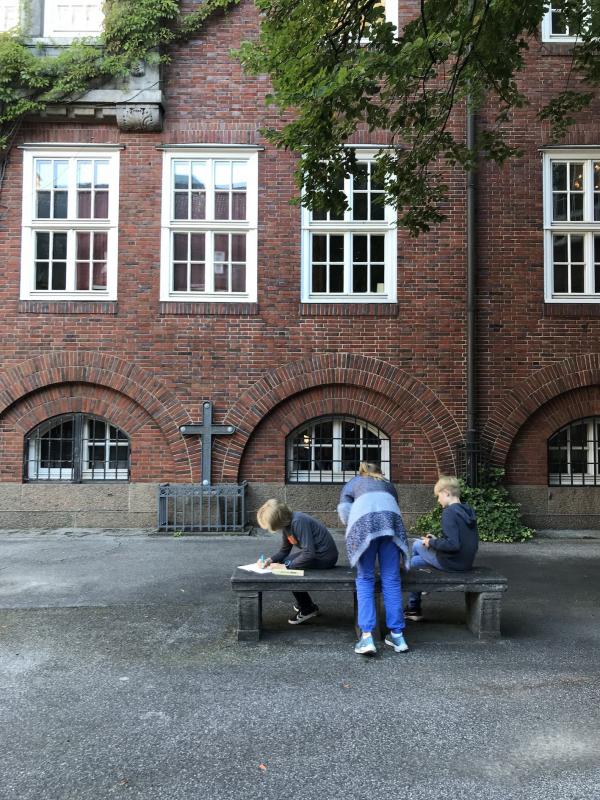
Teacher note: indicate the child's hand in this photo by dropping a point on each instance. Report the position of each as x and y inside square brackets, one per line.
[275, 565]
[263, 563]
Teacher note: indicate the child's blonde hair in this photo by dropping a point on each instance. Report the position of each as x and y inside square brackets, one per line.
[369, 469]
[274, 515]
[448, 482]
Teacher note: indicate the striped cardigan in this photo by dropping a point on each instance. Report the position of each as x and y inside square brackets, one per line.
[369, 509]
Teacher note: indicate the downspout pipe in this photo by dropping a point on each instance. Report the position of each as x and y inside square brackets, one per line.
[471, 438]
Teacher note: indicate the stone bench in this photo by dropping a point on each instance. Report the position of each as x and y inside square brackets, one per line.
[481, 586]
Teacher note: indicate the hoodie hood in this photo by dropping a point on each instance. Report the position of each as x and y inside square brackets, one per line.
[464, 512]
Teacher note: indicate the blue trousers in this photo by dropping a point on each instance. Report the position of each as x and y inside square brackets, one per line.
[421, 557]
[389, 568]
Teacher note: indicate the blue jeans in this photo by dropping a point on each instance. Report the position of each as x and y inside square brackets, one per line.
[389, 569]
[421, 557]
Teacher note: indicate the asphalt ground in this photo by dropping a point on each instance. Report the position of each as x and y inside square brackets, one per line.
[120, 677]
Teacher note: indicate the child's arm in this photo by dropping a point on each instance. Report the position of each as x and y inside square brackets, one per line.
[449, 542]
[283, 551]
[306, 543]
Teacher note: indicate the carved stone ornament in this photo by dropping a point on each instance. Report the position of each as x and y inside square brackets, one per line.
[139, 117]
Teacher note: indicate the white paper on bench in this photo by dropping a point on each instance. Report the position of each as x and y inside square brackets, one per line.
[255, 568]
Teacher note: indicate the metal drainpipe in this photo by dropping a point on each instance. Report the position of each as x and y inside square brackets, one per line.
[471, 441]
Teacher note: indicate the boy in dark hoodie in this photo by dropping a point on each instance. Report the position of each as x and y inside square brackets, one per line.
[455, 549]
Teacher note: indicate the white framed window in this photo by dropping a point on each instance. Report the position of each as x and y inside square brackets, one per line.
[572, 225]
[9, 14]
[351, 257]
[76, 448]
[330, 449]
[573, 454]
[67, 20]
[557, 28]
[70, 223]
[209, 225]
[391, 12]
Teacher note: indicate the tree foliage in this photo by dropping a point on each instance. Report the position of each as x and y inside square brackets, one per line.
[134, 31]
[338, 66]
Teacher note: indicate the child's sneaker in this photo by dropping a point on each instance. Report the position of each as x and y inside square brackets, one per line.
[299, 617]
[365, 646]
[396, 640]
[414, 614]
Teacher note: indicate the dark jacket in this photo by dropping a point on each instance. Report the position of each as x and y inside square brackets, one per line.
[457, 546]
[314, 541]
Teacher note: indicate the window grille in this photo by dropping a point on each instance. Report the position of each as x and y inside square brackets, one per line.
[76, 448]
[330, 449]
[573, 454]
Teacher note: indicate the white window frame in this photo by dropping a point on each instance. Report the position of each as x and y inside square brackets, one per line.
[549, 36]
[170, 225]
[52, 15]
[10, 16]
[392, 12]
[386, 227]
[586, 228]
[333, 476]
[71, 225]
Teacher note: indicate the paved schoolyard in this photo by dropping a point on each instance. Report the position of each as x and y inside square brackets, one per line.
[120, 678]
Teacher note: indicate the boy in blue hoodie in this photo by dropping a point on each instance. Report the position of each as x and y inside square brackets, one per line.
[455, 549]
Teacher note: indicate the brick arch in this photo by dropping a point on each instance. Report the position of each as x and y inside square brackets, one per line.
[411, 399]
[151, 460]
[526, 462]
[103, 370]
[513, 410]
[411, 451]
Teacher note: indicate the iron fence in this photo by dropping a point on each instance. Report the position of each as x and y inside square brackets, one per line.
[202, 509]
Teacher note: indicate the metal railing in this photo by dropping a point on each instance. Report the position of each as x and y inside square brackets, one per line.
[204, 509]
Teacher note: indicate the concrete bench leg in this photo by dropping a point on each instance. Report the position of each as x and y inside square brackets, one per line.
[483, 614]
[249, 616]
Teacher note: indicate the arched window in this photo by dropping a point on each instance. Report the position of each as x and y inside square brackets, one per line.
[330, 449]
[76, 448]
[573, 454]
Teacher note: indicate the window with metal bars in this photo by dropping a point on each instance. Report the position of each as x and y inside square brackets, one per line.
[330, 449]
[75, 448]
[573, 454]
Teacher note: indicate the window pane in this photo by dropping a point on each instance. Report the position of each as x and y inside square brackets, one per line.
[222, 174]
[559, 177]
[83, 246]
[378, 248]
[99, 275]
[59, 245]
[180, 246]
[576, 207]
[181, 174]
[240, 169]
[319, 278]
[82, 277]
[84, 205]
[577, 248]
[336, 248]
[359, 278]
[61, 174]
[41, 275]
[576, 176]
[361, 176]
[180, 277]
[561, 278]
[85, 174]
[59, 276]
[60, 205]
[238, 278]
[181, 206]
[238, 246]
[577, 278]
[336, 278]
[359, 248]
[238, 205]
[199, 176]
[561, 252]
[197, 281]
[197, 247]
[42, 241]
[377, 279]
[101, 205]
[221, 277]
[559, 207]
[377, 207]
[101, 174]
[359, 206]
[198, 205]
[43, 205]
[222, 205]
[319, 248]
[43, 174]
[100, 245]
[221, 247]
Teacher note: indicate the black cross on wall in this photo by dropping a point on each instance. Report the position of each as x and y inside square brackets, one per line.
[206, 430]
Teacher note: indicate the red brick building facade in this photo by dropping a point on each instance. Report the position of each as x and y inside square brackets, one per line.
[154, 262]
